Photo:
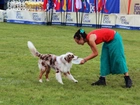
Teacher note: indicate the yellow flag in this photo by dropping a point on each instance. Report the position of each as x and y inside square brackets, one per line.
[64, 6]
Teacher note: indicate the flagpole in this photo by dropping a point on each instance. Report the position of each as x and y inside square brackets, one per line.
[77, 17]
[51, 16]
[101, 16]
[129, 5]
[95, 13]
[66, 13]
[99, 13]
[74, 3]
[61, 10]
[82, 17]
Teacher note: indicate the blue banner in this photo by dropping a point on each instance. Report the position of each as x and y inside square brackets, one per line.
[113, 6]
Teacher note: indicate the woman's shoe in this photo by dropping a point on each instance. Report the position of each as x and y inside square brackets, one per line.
[101, 81]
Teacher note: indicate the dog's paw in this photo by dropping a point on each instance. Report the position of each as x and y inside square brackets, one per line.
[61, 83]
[40, 80]
[76, 81]
[47, 80]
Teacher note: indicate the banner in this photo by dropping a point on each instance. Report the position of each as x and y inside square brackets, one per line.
[128, 21]
[27, 17]
[1, 15]
[108, 21]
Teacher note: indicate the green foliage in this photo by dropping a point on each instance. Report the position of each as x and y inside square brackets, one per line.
[19, 70]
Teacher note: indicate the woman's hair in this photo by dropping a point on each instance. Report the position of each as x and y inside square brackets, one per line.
[80, 33]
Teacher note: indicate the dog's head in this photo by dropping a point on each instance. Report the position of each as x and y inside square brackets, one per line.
[69, 57]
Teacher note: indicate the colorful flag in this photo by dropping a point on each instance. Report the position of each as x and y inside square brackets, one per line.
[54, 2]
[58, 5]
[78, 4]
[84, 2]
[102, 5]
[45, 4]
[50, 5]
[64, 5]
[105, 10]
[88, 2]
[69, 4]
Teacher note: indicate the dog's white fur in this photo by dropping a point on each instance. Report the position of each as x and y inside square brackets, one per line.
[61, 64]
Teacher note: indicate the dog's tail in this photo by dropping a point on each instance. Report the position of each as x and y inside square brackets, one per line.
[33, 49]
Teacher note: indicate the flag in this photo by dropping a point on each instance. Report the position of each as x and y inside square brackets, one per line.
[102, 5]
[78, 4]
[50, 5]
[45, 4]
[54, 3]
[58, 5]
[105, 10]
[64, 5]
[88, 2]
[84, 2]
[69, 4]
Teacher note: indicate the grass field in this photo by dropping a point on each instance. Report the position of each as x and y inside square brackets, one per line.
[19, 71]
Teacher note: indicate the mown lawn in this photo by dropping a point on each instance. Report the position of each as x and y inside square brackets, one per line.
[19, 70]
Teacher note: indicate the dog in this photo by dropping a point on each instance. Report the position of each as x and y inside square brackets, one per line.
[61, 64]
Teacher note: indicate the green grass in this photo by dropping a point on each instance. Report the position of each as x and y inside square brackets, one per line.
[19, 71]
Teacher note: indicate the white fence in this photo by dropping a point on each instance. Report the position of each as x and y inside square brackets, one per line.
[71, 18]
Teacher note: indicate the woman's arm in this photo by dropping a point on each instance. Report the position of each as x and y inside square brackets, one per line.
[93, 47]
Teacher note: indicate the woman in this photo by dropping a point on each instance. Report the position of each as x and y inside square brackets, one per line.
[112, 55]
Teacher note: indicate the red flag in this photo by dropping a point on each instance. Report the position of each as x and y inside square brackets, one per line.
[69, 4]
[54, 2]
[75, 9]
[102, 5]
[45, 4]
[58, 5]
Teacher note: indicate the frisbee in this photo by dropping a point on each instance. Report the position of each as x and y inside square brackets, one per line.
[77, 61]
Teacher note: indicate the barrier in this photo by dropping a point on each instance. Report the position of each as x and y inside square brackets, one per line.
[128, 22]
[1, 15]
[89, 19]
[25, 17]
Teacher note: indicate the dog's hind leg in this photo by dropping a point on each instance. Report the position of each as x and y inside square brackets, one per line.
[58, 77]
[47, 73]
[70, 77]
[40, 75]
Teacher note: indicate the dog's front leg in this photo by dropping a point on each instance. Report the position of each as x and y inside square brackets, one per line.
[58, 77]
[70, 77]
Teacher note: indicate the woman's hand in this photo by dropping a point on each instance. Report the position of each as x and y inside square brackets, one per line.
[83, 61]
